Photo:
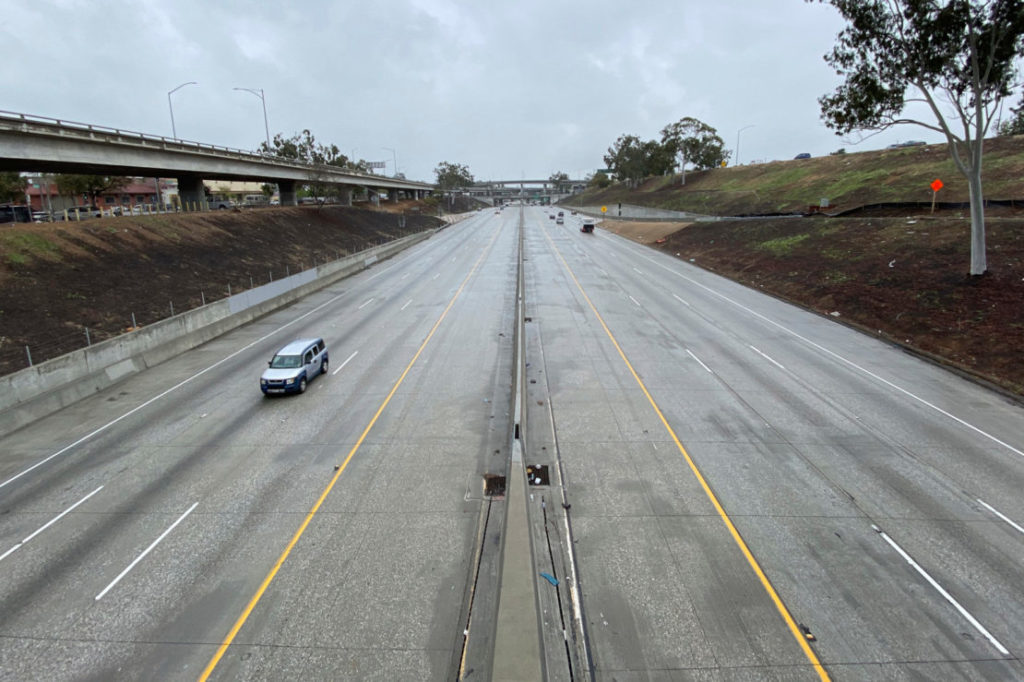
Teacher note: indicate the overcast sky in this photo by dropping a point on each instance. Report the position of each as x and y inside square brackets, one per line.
[510, 89]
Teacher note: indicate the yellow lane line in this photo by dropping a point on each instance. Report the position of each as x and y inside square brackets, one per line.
[783, 611]
[222, 649]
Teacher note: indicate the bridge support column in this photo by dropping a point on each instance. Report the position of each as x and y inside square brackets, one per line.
[286, 189]
[345, 196]
[393, 195]
[192, 193]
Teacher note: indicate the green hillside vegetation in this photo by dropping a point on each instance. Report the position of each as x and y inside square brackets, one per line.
[846, 180]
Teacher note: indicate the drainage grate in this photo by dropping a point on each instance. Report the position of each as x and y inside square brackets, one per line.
[537, 474]
[494, 485]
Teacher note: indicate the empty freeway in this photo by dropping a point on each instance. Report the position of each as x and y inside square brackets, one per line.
[733, 488]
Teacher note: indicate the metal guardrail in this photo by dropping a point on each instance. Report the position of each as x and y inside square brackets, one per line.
[64, 127]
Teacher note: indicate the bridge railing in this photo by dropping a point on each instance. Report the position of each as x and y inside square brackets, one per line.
[90, 130]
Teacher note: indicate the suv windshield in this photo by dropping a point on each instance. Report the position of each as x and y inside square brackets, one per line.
[286, 361]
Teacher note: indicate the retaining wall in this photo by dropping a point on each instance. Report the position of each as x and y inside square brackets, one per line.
[633, 212]
[40, 390]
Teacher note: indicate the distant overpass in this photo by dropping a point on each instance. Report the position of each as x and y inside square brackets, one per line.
[39, 144]
[540, 191]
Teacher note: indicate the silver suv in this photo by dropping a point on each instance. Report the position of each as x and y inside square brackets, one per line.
[294, 366]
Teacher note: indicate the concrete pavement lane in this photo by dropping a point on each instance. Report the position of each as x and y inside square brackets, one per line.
[256, 466]
[792, 438]
[878, 494]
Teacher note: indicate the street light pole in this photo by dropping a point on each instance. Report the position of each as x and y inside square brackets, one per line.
[174, 131]
[394, 159]
[738, 142]
[266, 127]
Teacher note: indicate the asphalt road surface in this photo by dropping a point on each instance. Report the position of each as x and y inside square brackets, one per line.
[727, 487]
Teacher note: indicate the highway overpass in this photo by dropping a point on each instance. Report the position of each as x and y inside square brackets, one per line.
[539, 191]
[39, 144]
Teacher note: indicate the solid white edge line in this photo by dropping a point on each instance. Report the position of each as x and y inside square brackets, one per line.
[146, 551]
[763, 355]
[698, 361]
[681, 300]
[406, 305]
[344, 363]
[365, 304]
[964, 612]
[1001, 515]
[175, 387]
[837, 357]
[634, 301]
[59, 516]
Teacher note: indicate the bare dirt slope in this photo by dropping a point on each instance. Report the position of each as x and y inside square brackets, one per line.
[59, 279]
[901, 276]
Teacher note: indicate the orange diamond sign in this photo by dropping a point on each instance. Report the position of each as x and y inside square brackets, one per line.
[936, 185]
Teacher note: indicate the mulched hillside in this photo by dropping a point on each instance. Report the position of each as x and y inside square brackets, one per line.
[59, 279]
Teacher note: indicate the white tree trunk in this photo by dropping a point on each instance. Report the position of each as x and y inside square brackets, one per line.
[979, 262]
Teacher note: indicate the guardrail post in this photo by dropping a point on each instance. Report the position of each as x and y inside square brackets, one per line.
[88, 340]
[29, 354]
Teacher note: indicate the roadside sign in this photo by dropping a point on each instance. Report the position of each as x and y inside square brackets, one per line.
[936, 186]
[604, 209]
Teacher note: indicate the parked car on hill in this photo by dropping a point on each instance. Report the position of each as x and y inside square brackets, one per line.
[13, 213]
[80, 213]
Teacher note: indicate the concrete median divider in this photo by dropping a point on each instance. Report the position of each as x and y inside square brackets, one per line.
[40, 390]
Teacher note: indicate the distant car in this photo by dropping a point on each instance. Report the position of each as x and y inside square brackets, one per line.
[551, 216]
[803, 155]
[560, 220]
[572, 213]
[14, 213]
[81, 213]
[587, 226]
[561, 213]
[40, 216]
[294, 366]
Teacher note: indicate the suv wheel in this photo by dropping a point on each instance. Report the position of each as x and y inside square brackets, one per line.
[323, 366]
[302, 385]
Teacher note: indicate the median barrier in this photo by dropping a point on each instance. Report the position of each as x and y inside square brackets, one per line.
[40, 390]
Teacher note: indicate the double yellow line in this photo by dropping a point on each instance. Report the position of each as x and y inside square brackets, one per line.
[222, 649]
[783, 611]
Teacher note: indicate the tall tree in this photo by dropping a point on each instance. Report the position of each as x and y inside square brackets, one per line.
[694, 141]
[626, 159]
[558, 179]
[75, 185]
[452, 175]
[957, 57]
[633, 159]
[12, 186]
[1014, 125]
[304, 148]
[599, 179]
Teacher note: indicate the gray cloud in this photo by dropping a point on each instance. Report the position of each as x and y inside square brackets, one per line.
[510, 89]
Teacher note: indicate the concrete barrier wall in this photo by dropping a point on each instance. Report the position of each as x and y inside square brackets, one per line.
[631, 212]
[40, 390]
